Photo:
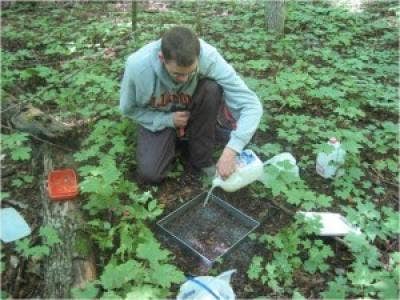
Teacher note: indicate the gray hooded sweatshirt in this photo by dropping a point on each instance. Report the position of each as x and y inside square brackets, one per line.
[147, 91]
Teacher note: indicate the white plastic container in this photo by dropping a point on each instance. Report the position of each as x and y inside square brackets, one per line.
[248, 169]
[327, 165]
[13, 225]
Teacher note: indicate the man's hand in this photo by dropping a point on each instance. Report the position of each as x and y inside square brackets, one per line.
[226, 164]
[181, 118]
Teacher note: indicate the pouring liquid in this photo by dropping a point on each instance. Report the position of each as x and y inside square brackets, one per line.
[208, 195]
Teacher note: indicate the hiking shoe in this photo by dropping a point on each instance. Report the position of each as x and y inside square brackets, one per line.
[209, 171]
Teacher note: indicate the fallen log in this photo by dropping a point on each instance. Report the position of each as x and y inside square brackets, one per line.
[68, 265]
[71, 263]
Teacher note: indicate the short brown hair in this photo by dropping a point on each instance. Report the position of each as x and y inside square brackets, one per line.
[181, 45]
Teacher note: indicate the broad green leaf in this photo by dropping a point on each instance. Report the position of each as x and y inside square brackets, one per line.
[165, 275]
[337, 289]
[21, 153]
[255, 268]
[25, 249]
[388, 288]
[90, 291]
[298, 296]
[115, 276]
[144, 292]
[111, 295]
[361, 276]
[150, 250]
[50, 235]
[4, 195]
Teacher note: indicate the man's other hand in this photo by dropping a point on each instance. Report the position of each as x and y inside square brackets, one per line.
[226, 164]
[181, 118]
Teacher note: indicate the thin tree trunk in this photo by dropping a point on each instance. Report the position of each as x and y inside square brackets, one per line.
[134, 16]
[275, 16]
[199, 28]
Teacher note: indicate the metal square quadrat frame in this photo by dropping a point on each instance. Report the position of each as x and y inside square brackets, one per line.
[211, 231]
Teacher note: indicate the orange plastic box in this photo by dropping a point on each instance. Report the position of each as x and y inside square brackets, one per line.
[62, 184]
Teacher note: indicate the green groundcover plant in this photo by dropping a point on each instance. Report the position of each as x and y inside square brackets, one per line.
[334, 72]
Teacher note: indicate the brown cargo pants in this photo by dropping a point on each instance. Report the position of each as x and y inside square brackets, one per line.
[156, 150]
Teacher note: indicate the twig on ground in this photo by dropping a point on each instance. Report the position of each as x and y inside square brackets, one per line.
[380, 176]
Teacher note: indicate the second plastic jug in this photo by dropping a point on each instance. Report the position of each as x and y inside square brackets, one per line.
[328, 164]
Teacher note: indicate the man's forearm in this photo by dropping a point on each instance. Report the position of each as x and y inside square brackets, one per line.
[151, 119]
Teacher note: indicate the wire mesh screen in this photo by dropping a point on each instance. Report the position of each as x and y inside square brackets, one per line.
[209, 231]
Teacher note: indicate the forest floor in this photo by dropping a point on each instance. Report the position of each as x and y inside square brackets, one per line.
[333, 73]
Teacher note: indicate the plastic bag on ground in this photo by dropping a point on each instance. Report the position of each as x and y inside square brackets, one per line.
[332, 224]
[277, 161]
[286, 156]
[208, 287]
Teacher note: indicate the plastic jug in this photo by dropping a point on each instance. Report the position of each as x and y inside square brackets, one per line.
[248, 169]
[328, 164]
[208, 287]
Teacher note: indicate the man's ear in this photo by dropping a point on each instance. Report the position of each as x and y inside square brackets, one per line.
[161, 57]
